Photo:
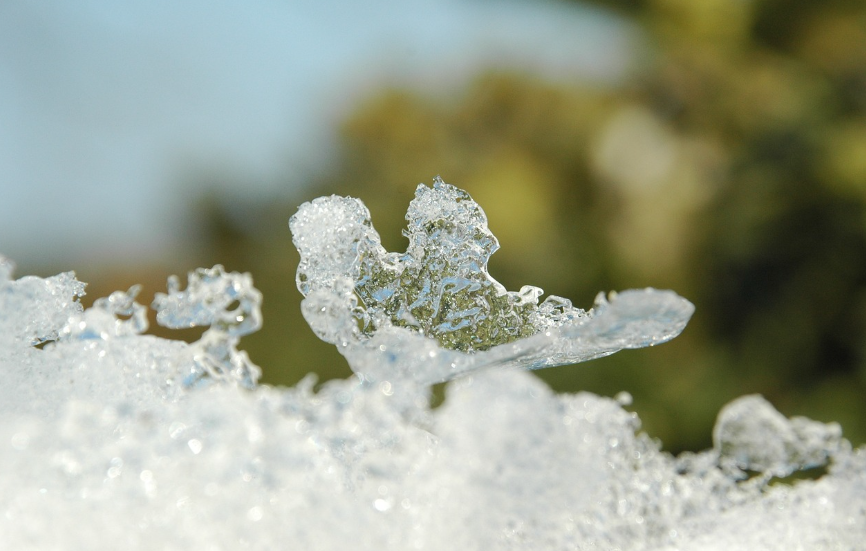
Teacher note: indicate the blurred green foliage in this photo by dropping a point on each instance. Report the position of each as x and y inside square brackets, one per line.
[730, 166]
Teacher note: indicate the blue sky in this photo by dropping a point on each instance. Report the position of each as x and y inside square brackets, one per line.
[108, 108]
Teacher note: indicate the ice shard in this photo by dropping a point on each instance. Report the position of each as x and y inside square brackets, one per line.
[367, 300]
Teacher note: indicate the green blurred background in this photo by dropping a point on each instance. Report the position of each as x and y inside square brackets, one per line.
[729, 165]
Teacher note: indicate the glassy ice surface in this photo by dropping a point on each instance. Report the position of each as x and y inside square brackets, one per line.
[230, 306]
[113, 439]
[438, 296]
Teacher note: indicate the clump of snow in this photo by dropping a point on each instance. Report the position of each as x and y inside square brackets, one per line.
[112, 439]
[41, 306]
[751, 435]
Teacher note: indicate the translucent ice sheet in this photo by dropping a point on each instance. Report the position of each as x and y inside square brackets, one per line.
[367, 300]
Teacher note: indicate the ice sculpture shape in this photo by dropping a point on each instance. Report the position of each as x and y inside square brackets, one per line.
[363, 298]
[230, 305]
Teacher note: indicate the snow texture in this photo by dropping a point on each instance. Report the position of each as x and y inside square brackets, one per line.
[112, 439]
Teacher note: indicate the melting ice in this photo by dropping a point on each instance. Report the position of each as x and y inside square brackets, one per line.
[439, 296]
[111, 438]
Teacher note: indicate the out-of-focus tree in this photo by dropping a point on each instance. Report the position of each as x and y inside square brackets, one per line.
[730, 166]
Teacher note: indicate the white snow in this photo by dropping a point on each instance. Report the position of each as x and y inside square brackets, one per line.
[113, 439]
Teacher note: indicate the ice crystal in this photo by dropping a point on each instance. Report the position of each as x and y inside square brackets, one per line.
[230, 305]
[112, 316]
[751, 435]
[362, 297]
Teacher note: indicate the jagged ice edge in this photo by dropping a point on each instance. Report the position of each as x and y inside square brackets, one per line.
[335, 238]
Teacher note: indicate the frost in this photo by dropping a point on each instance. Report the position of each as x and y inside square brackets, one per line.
[363, 298]
[112, 439]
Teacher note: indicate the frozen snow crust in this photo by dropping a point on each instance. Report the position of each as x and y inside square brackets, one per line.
[111, 439]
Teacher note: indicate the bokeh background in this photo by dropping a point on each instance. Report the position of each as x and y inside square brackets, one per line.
[717, 148]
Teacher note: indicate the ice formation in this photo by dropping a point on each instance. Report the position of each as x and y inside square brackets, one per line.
[113, 439]
[439, 297]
